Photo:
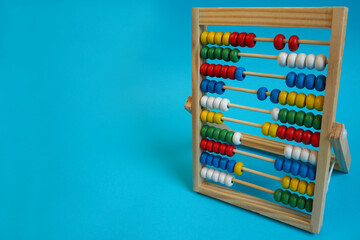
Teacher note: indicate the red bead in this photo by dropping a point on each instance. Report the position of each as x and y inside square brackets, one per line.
[315, 139]
[222, 148]
[217, 70]
[233, 38]
[281, 132]
[216, 147]
[279, 42]
[210, 70]
[293, 43]
[307, 137]
[231, 72]
[289, 134]
[298, 134]
[209, 145]
[203, 68]
[223, 71]
[250, 40]
[230, 150]
[241, 39]
[203, 143]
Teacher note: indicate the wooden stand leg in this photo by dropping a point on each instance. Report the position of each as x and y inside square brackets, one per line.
[339, 142]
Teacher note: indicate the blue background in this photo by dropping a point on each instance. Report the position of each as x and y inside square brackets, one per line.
[95, 142]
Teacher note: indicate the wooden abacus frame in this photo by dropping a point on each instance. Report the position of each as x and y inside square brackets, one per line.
[333, 18]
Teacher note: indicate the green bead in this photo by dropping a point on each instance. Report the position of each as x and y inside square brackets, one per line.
[299, 118]
[217, 52]
[223, 135]
[285, 197]
[301, 202]
[308, 120]
[291, 117]
[216, 134]
[210, 131]
[277, 195]
[283, 115]
[226, 54]
[234, 55]
[293, 200]
[203, 52]
[308, 205]
[210, 53]
[229, 136]
[317, 122]
[203, 130]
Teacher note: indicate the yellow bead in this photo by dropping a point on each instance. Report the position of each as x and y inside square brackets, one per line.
[273, 129]
[302, 187]
[319, 103]
[226, 38]
[210, 117]
[310, 101]
[211, 37]
[203, 37]
[282, 97]
[265, 128]
[310, 189]
[294, 183]
[217, 118]
[291, 98]
[238, 168]
[203, 115]
[300, 100]
[286, 182]
[218, 38]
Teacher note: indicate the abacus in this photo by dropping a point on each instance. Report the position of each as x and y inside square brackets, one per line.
[300, 198]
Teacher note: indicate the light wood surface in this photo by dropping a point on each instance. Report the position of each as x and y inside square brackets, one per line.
[341, 146]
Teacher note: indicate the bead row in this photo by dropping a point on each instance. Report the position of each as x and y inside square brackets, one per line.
[299, 153]
[211, 117]
[302, 60]
[222, 71]
[296, 168]
[224, 135]
[215, 103]
[219, 162]
[217, 176]
[293, 42]
[299, 118]
[309, 81]
[293, 200]
[226, 54]
[217, 147]
[235, 39]
[212, 86]
[296, 185]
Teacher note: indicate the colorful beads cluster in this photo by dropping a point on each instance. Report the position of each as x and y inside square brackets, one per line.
[222, 71]
[296, 185]
[299, 153]
[211, 117]
[217, 147]
[220, 162]
[309, 81]
[292, 199]
[217, 176]
[221, 134]
[296, 168]
[292, 98]
[226, 54]
[291, 134]
[302, 60]
[300, 118]
[212, 86]
[279, 43]
[235, 39]
[215, 103]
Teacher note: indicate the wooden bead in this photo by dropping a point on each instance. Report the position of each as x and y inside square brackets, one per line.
[282, 97]
[275, 113]
[233, 39]
[289, 134]
[217, 117]
[279, 42]
[203, 100]
[294, 183]
[300, 60]
[215, 176]
[209, 173]
[285, 182]
[288, 150]
[210, 117]
[211, 37]
[265, 128]
[319, 103]
[203, 37]
[298, 135]
[293, 43]
[218, 38]
[241, 39]
[217, 102]
[203, 115]
[296, 152]
[310, 189]
[320, 62]
[310, 61]
[224, 105]
[204, 172]
[307, 137]
[222, 177]
[310, 101]
[273, 129]
[229, 180]
[315, 139]
[304, 156]
[226, 38]
[291, 98]
[300, 100]
[313, 157]
[210, 102]
[291, 60]
[302, 187]
[282, 59]
[281, 132]
[237, 138]
[238, 168]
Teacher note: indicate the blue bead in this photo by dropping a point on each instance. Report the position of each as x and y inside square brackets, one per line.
[230, 166]
[279, 163]
[239, 73]
[310, 81]
[203, 157]
[320, 83]
[204, 85]
[211, 86]
[290, 79]
[274, 96]
[219, 87]
[216, 161]
[300, 80]
[209, 159]
[287, 165]
[261, 93]
[312, 173]
[223, 163]
[304, 170]
[295, 167]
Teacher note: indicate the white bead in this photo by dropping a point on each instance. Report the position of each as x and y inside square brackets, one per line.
[275, 113]
[300, 60]
[296, 153]
[282, 58]
[222, 177]
[237, 138]
[291, 60]
[203, 172]
[313, 157]
[203, 100]
[217, 102]
[228, 180]
[215, 176]
[224, 105]
[288, 151]
[310, 61]
[304, 156]
[210, 102]
[320, 62]
[209, 173]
